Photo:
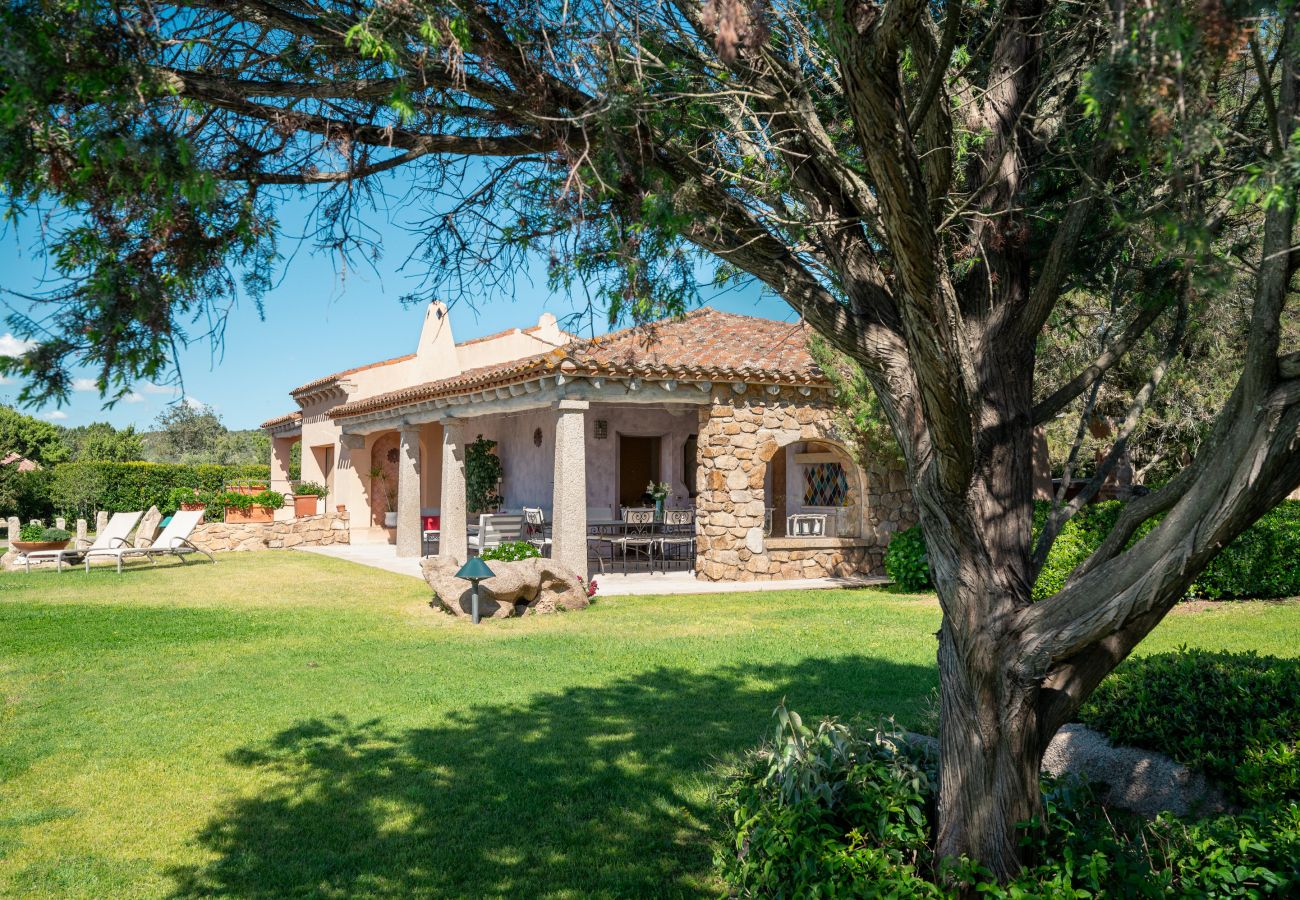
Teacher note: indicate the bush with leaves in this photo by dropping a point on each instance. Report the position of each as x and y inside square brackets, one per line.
[26, 494]
[310, 489]
[77, 490]
[1233, 716]
[907, 562]
[833, 811]
[245, 502]
[482, 476]
[511, 551]
[1256, 564]
[135, 486]
[33, 533]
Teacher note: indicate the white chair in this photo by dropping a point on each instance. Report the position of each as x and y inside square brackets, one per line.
[495, 530]
[114, 535]
[805, 525]
[536, 531]
[174, 541]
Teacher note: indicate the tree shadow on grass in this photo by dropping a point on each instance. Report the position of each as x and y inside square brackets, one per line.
[593, 791]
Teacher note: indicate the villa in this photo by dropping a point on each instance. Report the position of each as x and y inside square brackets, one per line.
[730, 411]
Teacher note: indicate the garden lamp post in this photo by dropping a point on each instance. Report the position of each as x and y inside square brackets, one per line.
[474, 571]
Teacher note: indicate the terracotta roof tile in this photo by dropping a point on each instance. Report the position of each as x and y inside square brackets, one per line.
[705, 345]
[285, 419]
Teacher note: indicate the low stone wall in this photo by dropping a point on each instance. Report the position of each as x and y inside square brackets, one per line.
[309, 531]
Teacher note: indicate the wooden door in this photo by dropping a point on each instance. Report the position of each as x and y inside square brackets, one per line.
[776, 498]
[638, 465]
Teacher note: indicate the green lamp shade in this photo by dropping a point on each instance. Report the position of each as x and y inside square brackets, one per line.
[474, 570]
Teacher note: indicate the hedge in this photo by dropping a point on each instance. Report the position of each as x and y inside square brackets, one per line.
[1233, 716]
[130, 486]
[1258, 564]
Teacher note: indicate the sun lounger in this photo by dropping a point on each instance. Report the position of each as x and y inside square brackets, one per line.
[113, 535]
[174, 541]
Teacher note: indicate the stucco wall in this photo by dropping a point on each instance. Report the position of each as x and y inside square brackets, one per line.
[529, 471]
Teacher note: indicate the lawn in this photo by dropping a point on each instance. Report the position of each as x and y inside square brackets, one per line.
[284, 724]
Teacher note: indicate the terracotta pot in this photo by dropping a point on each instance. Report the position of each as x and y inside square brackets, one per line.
[247, 489]
[341, 508]
[192, 506]
[34, 546]
[305, 505]
[235, 516]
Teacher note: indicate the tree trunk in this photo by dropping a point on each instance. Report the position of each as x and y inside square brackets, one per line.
[989, 754]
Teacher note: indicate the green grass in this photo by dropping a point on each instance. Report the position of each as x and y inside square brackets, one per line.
[288, 725]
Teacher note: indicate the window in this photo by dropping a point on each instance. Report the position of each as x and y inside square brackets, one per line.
[825, 484]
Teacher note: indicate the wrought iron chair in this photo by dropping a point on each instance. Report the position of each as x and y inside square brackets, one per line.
[536, 531]
[678, 538]
[638, 536]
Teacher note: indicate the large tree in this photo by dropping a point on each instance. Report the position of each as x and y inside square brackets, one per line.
[927, 184]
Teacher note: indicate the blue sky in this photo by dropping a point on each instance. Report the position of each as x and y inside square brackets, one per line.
[307, 315]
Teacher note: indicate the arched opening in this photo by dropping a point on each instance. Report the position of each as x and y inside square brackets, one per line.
[382, 477]
[812, 488]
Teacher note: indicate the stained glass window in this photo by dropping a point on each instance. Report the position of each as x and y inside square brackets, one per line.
[825, 484]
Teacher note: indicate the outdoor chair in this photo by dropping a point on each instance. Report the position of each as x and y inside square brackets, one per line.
[430, 529]
[600, 513]
[174, 541]
[495, 530]
[805, 525]
[114, 535]
[677, 540]
[638, 536]
[536, 531]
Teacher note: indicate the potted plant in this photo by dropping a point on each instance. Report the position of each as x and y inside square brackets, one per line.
[483, 474]
[185, 498]
[306, 498]
[33, 537]
[244, 508]
[659, 492]
[388, 491]
[246, 486]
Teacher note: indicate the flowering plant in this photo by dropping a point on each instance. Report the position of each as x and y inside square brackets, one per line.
[658, 490]
[591, 588]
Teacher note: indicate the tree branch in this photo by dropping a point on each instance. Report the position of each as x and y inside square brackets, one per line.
[1063, 396]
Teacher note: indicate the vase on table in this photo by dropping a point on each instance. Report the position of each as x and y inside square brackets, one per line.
[659, 509]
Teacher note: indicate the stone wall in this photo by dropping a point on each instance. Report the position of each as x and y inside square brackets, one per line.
[738, 435]
[309, 531]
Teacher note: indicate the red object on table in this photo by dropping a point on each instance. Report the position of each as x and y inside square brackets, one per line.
[432, 523]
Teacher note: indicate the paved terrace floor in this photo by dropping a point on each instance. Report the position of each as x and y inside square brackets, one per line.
[384, 556]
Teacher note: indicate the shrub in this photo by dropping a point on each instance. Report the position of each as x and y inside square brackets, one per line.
[33, 533]
[139, 485]
[511, 552]
[1233, 716]
[1260, 562]
[311, 489]
[245, 502]
[1256, 564]
[827, 812]
[77, 490]
[26, 494]
[906, 560]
